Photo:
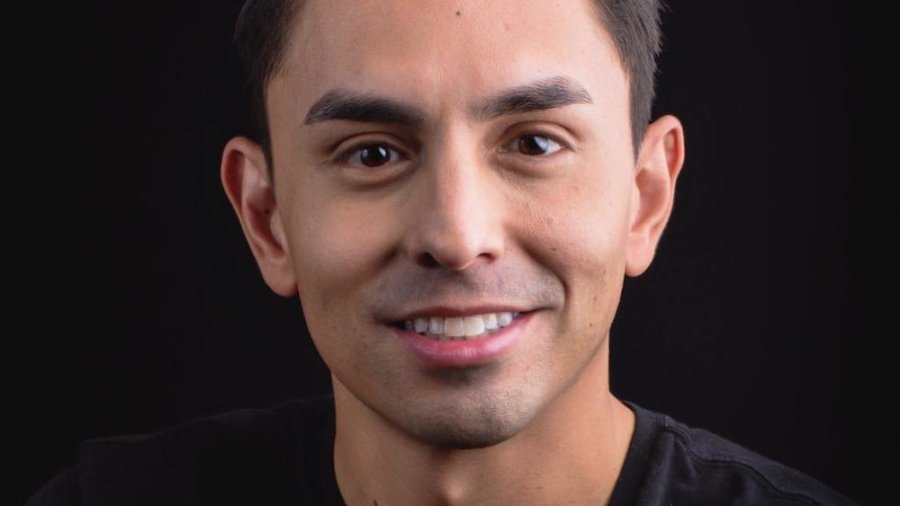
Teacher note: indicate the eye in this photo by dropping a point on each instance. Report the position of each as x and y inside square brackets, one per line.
[372, 155]
[535, 145]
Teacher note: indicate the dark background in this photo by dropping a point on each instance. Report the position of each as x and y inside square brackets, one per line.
[744, 325]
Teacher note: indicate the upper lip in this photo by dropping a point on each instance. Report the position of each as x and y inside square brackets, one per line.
[449, 311]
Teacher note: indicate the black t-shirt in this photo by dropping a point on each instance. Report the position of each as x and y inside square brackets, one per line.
[283, 455]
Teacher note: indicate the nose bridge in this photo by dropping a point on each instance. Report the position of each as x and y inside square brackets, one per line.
[457, 220]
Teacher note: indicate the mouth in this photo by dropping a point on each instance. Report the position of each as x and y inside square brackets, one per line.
[462, 341]
[458, 328]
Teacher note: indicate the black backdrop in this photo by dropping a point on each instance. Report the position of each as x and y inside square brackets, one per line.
[159, 315]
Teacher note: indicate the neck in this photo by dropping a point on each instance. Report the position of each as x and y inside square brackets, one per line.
[572, 453]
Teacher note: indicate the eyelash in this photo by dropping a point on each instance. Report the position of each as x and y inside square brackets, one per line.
[346, 155]
[551, 138]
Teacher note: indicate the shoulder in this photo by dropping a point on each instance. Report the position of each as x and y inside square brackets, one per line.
[236, 456]
[690, 465]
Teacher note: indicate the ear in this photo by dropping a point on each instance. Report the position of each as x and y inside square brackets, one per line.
[246, 183]
[658, 165]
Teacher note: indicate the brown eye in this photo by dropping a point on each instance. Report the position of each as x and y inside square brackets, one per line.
[536, 145]
[373, 155]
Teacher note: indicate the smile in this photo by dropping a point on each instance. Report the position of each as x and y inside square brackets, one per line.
[463, 341]
[460, 328]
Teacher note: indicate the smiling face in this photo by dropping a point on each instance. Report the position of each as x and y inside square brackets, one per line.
[436, 161]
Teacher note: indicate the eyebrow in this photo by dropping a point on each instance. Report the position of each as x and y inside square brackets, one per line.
[363, 107]
[344, 104]
[544, 94]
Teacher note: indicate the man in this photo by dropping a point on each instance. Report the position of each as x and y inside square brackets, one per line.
[456, 191]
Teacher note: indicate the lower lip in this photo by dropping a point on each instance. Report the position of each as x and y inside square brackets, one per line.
[477, 351]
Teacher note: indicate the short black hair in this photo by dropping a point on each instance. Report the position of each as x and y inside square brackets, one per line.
[263, 28]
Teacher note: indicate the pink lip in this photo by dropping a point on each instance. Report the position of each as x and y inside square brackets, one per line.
[464, 353]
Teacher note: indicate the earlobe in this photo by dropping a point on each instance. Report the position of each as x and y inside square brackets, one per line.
[658, 166]
[245, 180]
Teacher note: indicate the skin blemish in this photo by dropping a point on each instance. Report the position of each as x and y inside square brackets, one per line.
[457, 13]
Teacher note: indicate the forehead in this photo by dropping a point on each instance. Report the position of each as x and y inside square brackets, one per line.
[441, 52]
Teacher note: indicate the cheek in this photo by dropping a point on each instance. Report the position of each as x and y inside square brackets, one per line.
[581, 235]
[583, 225]
[595, 263]
[337, 248]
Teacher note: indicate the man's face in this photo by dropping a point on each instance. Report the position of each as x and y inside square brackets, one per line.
[497, 176]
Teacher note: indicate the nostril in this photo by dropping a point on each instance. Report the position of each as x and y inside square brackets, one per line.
[428, 260]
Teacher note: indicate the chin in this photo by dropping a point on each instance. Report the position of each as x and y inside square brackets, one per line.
[469, 425]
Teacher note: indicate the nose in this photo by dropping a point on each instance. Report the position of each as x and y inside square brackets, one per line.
[456, 222]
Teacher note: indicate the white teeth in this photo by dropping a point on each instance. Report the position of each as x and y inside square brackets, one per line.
[460, 328]
[474, 326]
[454, 327]
[436, 325]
